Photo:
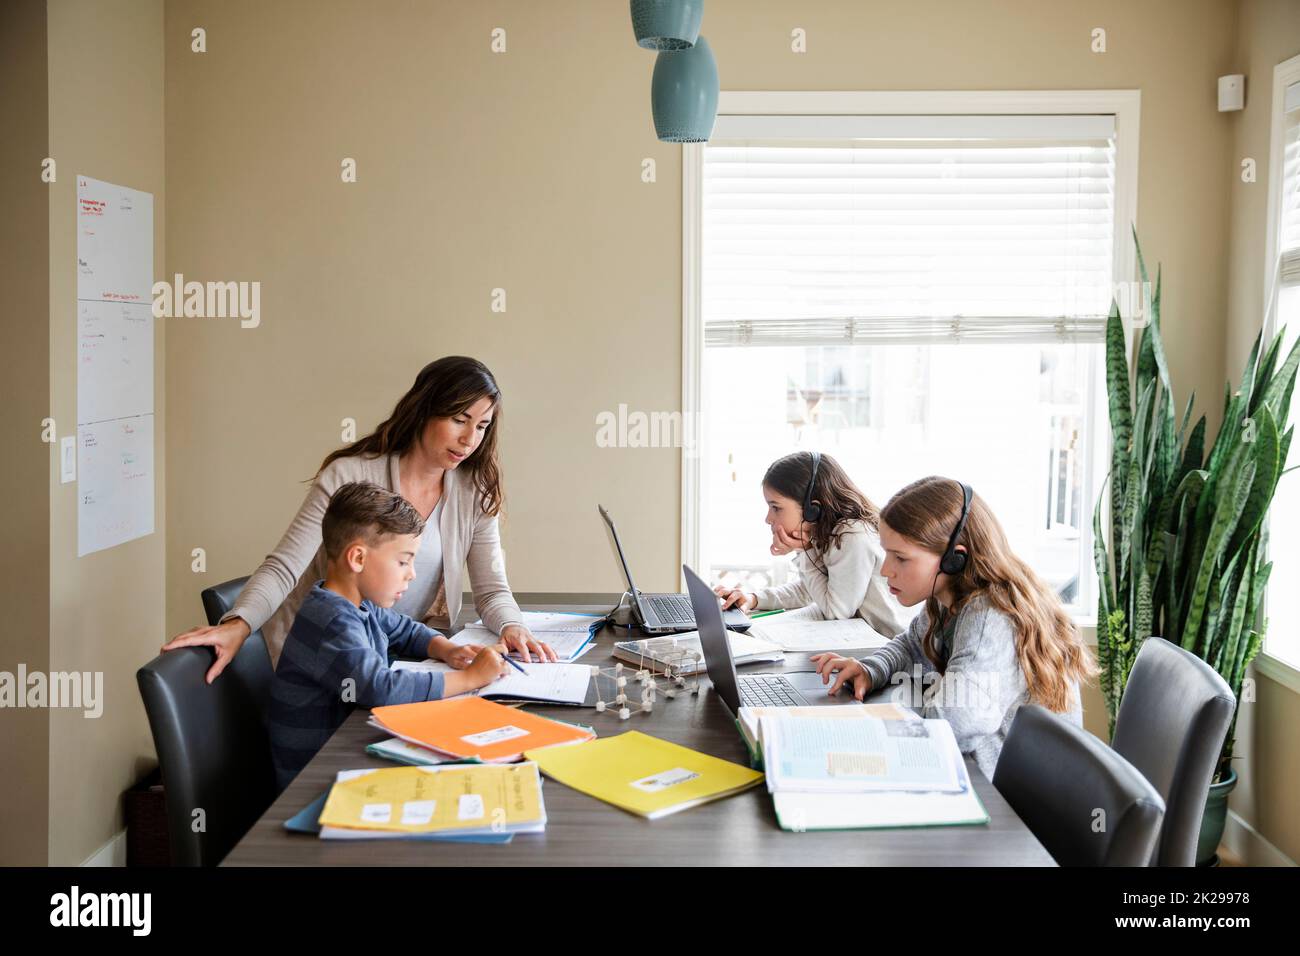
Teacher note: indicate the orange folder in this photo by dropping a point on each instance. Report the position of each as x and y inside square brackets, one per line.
[474, 727]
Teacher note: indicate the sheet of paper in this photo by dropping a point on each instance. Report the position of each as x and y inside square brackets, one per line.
[794, 633]
[427, 665]
[115, 501]
[562, 683]
[114, 243]
[556, 621]
[114, 360]
[568, 645]
[846, 811]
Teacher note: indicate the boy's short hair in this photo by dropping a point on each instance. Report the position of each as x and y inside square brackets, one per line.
[362, 510]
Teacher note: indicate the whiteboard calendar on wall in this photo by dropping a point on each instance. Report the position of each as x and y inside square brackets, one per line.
[115, 410]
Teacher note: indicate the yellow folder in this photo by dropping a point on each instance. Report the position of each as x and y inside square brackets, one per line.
[460, 798]
[643, 774]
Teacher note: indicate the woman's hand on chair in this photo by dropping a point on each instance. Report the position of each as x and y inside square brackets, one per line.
[225, 638]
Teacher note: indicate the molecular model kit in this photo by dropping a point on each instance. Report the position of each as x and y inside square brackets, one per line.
[680, 672]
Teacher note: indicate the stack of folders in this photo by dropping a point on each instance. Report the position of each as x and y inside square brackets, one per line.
[644, 775]
[455, 800]
[681, 653]
[471, 728]
[834, 768]
[404, 752]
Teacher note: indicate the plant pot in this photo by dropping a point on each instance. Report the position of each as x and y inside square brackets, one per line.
[1216, 812]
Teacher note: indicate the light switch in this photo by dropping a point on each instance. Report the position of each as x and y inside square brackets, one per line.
[68, 459]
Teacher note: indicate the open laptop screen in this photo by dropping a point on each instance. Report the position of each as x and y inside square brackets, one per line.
[618, 547]
[713, 640]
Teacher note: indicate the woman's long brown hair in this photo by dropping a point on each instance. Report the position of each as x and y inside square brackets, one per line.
[1048, 645]
[840, 498]
[445, 387]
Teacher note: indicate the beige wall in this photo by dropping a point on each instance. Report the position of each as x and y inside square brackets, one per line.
[24, 479]
[1268, 32]
[479, 171]
[106, 609]
[521, 171]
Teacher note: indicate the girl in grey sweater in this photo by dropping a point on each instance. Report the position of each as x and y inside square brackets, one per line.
[991, 636]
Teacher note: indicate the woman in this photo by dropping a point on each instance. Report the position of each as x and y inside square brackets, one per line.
[438, 450]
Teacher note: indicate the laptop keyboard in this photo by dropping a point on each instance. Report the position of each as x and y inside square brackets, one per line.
[670, 608]
[758, 690]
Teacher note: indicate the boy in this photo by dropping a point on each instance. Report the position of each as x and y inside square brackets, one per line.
[336, 655]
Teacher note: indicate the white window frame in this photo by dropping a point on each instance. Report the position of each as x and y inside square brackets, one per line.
[1124, 105]
[1284, 74]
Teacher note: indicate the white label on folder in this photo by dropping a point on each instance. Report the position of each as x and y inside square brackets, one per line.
[417, 812]
[485, 737]
[471, 806]
[662, 781]
[376, 813]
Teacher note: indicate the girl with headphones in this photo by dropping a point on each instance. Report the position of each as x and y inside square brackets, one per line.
[818, 514]
[991, 636]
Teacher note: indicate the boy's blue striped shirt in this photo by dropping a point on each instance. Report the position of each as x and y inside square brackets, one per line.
[333, 641]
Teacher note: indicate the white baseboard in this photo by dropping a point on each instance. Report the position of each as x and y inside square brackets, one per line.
[112, 853]
[1250, 846]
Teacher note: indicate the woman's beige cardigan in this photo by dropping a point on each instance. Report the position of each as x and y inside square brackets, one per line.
[470, 539]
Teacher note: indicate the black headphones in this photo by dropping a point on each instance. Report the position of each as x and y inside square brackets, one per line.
[953, 561]
[812, 512]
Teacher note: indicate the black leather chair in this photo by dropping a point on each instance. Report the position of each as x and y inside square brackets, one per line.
[1058, 777]
[212, 746]
[220, 598]
[212, 741]
[1171, 725]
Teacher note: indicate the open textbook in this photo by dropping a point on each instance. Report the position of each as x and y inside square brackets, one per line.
[862, 767]
[538, 683]
[812, 752]
[804, 631]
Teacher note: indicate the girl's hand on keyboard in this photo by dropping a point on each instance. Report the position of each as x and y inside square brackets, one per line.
[844, 670]
[735, 597]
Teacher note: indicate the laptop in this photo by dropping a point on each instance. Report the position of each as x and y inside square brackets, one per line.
[794, 689]
[664, 613]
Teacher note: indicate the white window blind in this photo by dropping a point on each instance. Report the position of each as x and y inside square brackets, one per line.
[971, 228]
[1290, 245]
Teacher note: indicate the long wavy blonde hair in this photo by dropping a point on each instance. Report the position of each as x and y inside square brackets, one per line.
[1048, 645]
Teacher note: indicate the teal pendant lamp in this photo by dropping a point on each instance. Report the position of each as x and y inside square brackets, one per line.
[684, 94]
[667, 24]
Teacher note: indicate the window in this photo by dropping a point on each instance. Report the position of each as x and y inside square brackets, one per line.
[1282, 603]
[913, 294]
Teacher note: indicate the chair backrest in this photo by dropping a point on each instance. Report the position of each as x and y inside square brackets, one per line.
[1087, 805]
[1171, 725]
[220, 598]
[213, 747]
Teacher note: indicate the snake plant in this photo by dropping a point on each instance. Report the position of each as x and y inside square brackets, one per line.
[1181, 552]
